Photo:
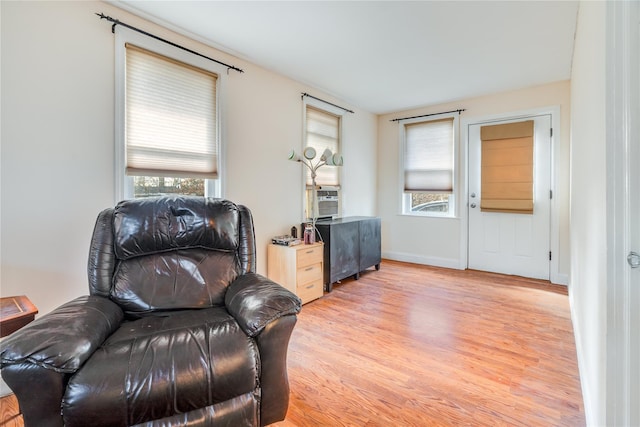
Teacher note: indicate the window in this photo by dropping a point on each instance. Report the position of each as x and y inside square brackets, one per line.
[322, 131]
[168, 121]
[428, 172]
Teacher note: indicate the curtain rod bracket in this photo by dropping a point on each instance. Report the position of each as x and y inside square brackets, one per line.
[117, 22]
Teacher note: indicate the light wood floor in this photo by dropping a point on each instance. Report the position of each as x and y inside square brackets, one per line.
[9, 412]
[419, 346]
[412, 345]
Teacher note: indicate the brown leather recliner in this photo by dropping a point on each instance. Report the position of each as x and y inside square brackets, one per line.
[178, 328]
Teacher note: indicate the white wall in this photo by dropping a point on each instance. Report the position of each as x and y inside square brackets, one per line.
[437, 241]
[57, 169]
[588, 284]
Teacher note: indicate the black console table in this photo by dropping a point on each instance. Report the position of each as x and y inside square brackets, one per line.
[351, 245]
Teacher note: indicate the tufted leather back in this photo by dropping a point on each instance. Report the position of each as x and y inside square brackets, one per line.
[170, 253]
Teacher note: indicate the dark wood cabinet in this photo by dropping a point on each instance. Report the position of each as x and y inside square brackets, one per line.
[351, 245]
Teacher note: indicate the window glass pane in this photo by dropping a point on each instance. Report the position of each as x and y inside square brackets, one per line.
[430, 202]
[151, 186]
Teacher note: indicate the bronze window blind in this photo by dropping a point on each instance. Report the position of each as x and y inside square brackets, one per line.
[507, 168]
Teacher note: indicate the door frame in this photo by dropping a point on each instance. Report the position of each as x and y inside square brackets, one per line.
[622, 133]
[554, 220]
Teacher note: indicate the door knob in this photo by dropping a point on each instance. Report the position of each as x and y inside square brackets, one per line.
[473, 195]
[633, 259]
[473, 205]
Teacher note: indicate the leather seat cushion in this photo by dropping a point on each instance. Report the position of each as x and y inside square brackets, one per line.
[153, 367]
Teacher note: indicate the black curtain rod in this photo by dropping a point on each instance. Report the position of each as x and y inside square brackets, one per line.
[326, 102]
[117, 22]
[427, 115]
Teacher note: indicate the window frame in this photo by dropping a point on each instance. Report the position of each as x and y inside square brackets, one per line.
[124, 188]
[405, 198]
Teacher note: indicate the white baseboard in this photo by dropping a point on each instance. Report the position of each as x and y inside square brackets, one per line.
[417, 259]
[586, 389]
[560, 279]
[557, 278]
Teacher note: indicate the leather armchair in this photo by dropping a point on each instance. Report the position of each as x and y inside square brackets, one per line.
[177, 329]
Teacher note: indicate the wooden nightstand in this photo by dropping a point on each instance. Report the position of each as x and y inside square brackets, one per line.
[298, 268]
[15, 312]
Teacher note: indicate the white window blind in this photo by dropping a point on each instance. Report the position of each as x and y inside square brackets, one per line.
[323, 131]
[428, 157]
[171, 124]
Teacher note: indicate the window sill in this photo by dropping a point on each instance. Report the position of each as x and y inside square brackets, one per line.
[431, 215]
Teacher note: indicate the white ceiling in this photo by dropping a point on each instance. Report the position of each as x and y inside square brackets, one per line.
[387, 56]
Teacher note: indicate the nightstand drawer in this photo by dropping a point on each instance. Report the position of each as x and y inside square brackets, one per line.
[309, 273]
[309, 255]
[310, 291]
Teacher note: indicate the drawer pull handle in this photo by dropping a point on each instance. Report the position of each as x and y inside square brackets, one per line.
[310, 251]
[310, 286]
[308, 269]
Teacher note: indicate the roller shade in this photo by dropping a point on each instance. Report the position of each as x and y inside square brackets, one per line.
[323, 131]
[171, 119]
[428, 157]
[507, 168]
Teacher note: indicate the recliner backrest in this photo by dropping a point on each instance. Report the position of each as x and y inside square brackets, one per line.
[169, 253]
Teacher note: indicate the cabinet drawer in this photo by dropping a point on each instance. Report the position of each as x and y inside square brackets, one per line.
[308, 274]
[307, 256]
[310, 291]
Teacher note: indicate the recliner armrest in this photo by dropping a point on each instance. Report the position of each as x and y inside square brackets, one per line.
[255, 300]
[65, 338]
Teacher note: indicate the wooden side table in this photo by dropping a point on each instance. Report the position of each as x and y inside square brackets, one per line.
[298, 268]
[15, 312]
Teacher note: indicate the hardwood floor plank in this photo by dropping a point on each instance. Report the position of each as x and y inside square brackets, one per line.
[413, 345]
